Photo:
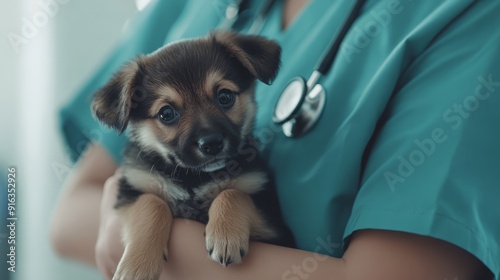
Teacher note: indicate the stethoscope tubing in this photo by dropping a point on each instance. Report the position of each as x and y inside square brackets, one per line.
[329, 57]
[301, 103]
[307, 96]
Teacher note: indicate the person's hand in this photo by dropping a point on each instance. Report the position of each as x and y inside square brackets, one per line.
[109, 247]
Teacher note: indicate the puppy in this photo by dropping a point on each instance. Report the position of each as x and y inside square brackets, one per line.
[190, 111]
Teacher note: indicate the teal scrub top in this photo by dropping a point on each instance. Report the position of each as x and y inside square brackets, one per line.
[410, 136]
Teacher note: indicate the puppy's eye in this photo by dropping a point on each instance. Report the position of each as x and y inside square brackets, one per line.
[168, 115]
[225, 98]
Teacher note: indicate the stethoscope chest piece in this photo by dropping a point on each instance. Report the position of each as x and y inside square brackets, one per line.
[298, 108]
[301, 103]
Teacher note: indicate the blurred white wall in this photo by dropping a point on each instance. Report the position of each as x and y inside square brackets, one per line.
[49, 66]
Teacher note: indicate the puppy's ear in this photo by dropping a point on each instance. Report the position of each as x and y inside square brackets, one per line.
[112, 103]
[257, 54]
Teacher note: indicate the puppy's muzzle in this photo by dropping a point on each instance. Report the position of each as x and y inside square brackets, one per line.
[211, 145]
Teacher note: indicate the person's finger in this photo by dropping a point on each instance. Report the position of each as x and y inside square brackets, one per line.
[109, 248]
[110, 190]
[103, 263]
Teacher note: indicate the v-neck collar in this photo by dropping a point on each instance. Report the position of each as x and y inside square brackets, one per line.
[273, 25]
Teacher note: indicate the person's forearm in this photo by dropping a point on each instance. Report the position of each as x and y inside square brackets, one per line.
[372, 255]
[188, 260]
[75, 222]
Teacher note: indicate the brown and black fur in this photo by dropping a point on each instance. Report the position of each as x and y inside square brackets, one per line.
[170, 172]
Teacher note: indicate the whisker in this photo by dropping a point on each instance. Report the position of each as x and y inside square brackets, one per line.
[172, 174]
[138, 154]
[151, 170]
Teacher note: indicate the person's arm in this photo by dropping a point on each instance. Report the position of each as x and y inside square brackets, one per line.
[75, 223]
[372, 254]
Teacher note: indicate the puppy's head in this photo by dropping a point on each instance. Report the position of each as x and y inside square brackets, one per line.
[191, 101]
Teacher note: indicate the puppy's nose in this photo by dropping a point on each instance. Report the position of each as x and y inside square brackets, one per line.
[211, 144]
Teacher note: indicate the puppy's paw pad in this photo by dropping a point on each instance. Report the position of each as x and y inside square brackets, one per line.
[226, 246]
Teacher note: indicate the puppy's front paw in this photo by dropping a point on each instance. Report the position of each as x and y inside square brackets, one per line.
[225, 243]
[137, 267]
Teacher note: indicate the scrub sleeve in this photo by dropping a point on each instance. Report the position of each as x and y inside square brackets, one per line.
[393, 149]
[409, 138]
[433, 167]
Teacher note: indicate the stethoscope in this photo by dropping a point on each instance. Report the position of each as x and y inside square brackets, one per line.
[301, 103]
